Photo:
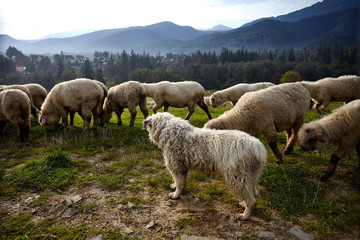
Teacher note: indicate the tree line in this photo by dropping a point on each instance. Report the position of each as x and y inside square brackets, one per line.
[212, 70]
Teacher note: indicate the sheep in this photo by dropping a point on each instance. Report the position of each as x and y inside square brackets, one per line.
[79, 95]
[344, 88]
[208, 103]
[25, 90]
[101, 123]
[233, 93]
[238, 157]
[342, 126]
[15, 107]
[177, 94]
[38, 94]
[269, 111]
[126, 95]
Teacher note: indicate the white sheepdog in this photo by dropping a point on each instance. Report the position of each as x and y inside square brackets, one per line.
[235, 155]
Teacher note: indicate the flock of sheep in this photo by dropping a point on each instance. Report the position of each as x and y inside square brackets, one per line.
[259, 109]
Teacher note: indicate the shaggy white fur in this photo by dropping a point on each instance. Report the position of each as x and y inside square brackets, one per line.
[235, 155]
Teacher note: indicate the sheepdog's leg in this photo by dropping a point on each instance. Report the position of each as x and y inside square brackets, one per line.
[204, 107]
[119, 110]
[132, 110]
[191, 109]
[179, 174]
[179, 183]
[246, 190]
[143, 107]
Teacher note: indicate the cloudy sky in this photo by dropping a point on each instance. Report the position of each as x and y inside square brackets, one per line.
[25, 19]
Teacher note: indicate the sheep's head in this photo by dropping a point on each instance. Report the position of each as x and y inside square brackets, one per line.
[49, 120]
[215, 124]
[311, 138]
[216, 100]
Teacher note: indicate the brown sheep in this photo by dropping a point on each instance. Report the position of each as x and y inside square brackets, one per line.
[21, 88]
[125, 95]
[269, 111]
[79, 95]
[38, 94]
[342, 126]
[15, 107]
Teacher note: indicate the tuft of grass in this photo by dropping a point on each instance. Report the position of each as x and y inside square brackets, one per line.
[181, 223]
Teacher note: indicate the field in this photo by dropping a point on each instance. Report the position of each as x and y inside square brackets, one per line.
[111, 183]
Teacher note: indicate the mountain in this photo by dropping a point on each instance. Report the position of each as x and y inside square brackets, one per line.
[319, 24]
[340, 27]
[320, 8]
[219, 28]
[67, 34]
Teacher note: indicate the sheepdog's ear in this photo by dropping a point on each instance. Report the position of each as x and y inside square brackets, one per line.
[146, 123]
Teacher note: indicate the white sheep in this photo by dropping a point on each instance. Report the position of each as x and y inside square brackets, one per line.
[177, 94]
[342, 127]
[15, 107]
[79, 95]
[126, 95]
[233, 93]
[344, 88]
[238, 157]
[38, 94]
[268, 111]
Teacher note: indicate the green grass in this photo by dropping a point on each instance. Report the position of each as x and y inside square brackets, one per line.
[123, 159]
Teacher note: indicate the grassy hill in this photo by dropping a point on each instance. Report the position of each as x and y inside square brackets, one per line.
[112, 181]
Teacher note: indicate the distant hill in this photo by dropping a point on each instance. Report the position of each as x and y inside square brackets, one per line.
[219, 28]
[340, 27]
[320, 8]
[319, 24]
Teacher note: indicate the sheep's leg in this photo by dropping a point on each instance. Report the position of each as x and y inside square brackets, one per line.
[358, 155]
[274, 147]
[191, 109]
[291, 135]
[72, 114]
[339, 153]
[325, 105]
[2, 126]
[143, 107]
[34, 112]
[158, 105]
[119, 111]
[204, 107]
[166, 107]
[132, 110]
[64, 117]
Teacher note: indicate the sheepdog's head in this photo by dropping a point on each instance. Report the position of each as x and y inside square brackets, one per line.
[312, 137]
[216, 100]
[49, 120]
[163, 127]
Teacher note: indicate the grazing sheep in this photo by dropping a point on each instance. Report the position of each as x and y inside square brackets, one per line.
[235, 155]
[177, 94]
[342, 126]
[101, 119]
[233, 93]
[125, 95]
[15, 107]
[80, 95]
[344, 88]
[208, 103]
[38, 94]
[268, 111]
[21, 88]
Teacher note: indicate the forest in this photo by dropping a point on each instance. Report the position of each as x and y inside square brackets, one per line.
[212, 70]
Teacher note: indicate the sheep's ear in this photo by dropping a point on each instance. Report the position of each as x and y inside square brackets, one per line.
[43, 120]
[146, 122]
[320, 137]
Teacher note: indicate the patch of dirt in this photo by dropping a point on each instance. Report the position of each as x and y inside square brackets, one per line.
[159, 218]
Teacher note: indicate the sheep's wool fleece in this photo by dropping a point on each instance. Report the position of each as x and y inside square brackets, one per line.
[234, 154]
